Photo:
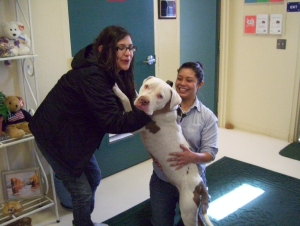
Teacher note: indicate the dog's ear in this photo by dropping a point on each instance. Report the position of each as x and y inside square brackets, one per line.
[170, 83]
[175, 99]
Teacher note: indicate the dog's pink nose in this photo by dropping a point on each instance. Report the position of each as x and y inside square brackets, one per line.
[144, 101]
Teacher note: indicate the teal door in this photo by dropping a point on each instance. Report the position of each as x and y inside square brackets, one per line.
[199, 35]
[87, 19]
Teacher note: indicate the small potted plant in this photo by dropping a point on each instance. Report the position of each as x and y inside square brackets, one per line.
[4, 111]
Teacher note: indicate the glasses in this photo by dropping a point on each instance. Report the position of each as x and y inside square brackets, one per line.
[123, 49]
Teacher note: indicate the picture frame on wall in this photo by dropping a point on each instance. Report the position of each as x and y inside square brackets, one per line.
[22, 184]
[167, 9]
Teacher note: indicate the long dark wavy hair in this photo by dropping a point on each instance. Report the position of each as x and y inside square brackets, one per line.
[108, 38]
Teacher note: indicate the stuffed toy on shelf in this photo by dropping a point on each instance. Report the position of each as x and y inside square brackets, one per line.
[5, 48]
[16, 125]
[15, 38]
[12, 207]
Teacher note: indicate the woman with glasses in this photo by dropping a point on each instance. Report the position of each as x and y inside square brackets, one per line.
[200, 129]
[70, 123]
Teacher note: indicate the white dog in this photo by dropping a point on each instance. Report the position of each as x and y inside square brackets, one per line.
[163, 136]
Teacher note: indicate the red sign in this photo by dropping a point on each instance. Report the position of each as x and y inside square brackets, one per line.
[250, 25]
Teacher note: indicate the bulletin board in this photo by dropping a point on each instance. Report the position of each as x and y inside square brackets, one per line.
[264, 17]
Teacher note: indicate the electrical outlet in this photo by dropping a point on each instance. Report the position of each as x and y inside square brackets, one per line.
[281, 43]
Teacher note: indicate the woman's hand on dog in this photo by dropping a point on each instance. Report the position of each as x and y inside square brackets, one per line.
[180, 159]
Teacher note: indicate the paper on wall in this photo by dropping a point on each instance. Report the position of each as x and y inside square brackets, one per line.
[250, 25]
[276, 24]
[262, 23]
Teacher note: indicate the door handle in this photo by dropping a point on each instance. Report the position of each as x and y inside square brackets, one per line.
[150, 60]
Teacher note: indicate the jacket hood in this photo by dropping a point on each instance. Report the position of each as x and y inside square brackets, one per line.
[85, 58]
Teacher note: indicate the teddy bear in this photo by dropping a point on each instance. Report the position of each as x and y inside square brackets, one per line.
[12, 208]
[14, 36]
[17, 124]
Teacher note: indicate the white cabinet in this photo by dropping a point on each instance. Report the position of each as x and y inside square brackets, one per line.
[27, 83]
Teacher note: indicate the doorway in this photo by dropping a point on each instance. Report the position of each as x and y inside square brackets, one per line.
[199, 41]
[87, 19]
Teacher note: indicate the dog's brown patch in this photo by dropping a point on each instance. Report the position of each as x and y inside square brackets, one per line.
[197, 192]
[168, 105]
[201, 195]
[152, 127]
[164, 110]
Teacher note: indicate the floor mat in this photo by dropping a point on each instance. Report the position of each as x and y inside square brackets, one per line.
[291, 151]
[278, 205]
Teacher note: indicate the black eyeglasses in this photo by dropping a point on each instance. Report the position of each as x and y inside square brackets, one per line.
[123, 49]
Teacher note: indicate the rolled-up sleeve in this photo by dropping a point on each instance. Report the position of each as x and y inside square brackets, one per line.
[209, 136]
[200, 129]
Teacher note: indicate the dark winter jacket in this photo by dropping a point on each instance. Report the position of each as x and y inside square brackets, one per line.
[75, 115]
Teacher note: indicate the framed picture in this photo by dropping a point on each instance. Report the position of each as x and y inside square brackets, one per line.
[166, 9]
[22, 184]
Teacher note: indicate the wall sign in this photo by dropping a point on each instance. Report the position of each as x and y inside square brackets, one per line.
[262, 23]
[250, 25]
[293, 7]
[276, 24]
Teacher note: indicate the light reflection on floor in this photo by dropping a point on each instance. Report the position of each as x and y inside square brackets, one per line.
[233, 200]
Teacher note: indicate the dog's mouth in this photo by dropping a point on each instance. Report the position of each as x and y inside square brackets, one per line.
[143, 104]
[144, 108]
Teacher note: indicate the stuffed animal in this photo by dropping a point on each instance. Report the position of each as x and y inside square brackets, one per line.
[17, 124]
[14, 36]
[12, 208]
[5, 48]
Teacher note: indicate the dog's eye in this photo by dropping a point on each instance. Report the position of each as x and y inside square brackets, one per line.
[159, 96]
[146, 86]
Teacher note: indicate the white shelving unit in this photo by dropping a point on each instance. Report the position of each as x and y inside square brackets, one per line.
[27, 76]
[30, 206]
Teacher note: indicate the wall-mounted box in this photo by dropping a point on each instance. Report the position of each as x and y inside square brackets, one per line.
[167, 9]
